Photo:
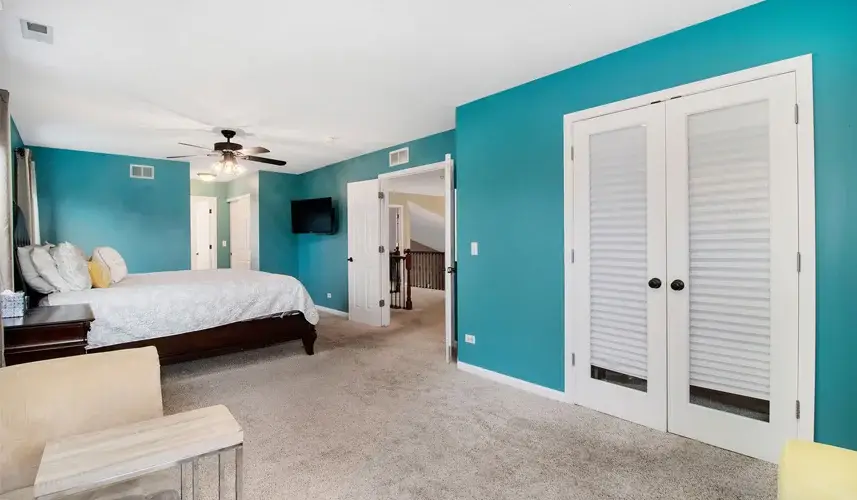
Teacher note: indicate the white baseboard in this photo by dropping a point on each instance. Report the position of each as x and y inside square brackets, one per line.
[335, 312]
[514, 382]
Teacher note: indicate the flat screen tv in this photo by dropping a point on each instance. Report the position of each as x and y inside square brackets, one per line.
[313, 216]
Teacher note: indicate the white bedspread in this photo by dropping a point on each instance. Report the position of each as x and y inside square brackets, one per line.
[145, 306]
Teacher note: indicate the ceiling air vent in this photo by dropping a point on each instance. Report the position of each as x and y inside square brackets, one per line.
[399, 157]
[37, 32]
[142, 172]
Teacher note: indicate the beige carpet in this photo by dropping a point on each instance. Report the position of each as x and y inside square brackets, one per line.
[378, 414]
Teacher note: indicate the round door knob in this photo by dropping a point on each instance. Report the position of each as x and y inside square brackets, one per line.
[350, 259]
[654, 283]
[677, 285]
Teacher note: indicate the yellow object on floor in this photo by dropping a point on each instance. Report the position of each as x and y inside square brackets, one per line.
[813, 471]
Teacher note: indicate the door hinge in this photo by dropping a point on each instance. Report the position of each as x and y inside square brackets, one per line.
[798, 262]
[381, 249]
[210, 211]
[381, 303]
[380, 195]
[572, 256]
[572, 153]
[797, 113]
[210, 247]
[797, 409]
[573, 361]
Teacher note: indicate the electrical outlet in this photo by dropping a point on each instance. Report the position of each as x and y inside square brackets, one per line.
[470, 339]
[330, 295]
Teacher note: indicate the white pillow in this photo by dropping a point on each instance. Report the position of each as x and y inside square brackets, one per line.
[111, 260]
[72, 266]
[29, 273]
[47, 269]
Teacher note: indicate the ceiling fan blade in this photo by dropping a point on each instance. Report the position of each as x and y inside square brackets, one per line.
[269, 161]
[184, 156]
[254, 151]
[194, 146]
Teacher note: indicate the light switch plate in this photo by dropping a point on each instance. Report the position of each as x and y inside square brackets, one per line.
[474, 248]
[329, 295]
[470, 339]
[224, 243]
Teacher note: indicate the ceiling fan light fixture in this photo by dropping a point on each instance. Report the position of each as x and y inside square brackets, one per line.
[206, 176]
[217, 167]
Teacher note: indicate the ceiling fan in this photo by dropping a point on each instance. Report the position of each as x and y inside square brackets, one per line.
[229, 153]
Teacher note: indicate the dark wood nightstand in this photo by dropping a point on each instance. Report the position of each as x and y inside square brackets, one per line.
[47, 332]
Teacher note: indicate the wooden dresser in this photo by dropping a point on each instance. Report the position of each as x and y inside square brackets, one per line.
[47, 332]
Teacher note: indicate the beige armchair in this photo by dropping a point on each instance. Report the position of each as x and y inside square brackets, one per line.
[52, 399]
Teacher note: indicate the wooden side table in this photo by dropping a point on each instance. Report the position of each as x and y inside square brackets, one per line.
[47, 332]
[89, 462]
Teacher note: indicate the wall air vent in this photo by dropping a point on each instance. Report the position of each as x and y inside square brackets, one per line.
[399, 157]
[37, 32]
[142, 172]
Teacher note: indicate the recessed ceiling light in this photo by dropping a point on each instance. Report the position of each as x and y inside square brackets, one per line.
[205, 176]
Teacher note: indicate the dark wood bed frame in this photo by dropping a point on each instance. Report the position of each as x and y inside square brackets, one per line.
[225, 339]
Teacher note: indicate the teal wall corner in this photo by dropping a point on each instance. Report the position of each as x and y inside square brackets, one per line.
[217, 190]
[278, 246]
[322, 259]
[90, 200]
[509, 162]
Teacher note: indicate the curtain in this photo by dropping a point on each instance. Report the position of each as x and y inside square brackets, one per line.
[5, 202]
[26, 190]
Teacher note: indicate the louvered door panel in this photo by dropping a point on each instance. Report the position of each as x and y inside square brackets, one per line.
[617, 251]
[732, 239]
[729, 221]
[619, 232]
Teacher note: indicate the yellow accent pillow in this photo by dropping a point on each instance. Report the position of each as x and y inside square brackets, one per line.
[99, 274]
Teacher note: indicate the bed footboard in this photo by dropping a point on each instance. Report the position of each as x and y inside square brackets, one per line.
[226, 339]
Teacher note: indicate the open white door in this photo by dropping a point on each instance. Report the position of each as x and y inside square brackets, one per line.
[203, 232]
[449, 256]
[239, 233]
[365, 253]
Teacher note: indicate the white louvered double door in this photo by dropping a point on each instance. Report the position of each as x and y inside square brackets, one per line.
[685, 274]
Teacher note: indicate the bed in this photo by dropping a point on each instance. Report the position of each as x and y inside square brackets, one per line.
[189, 315]
[193, 314]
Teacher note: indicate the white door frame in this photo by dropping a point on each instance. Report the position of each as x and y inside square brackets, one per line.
[212, 203]
[236, 198]
[802, 68]
[450, 257]
[401, 229]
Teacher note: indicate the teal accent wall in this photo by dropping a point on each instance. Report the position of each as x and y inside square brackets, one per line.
[510, 188]
[322, 263]
[90, 200]
[278, 246]
[216, 190]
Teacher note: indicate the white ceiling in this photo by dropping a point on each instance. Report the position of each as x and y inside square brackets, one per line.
[430, 183]
[137, 77]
